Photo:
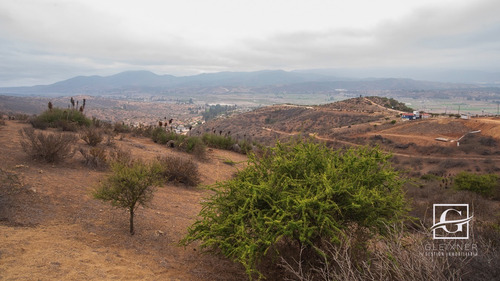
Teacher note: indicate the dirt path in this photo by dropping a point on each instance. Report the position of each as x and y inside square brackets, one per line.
[438, 157]
[52, 229]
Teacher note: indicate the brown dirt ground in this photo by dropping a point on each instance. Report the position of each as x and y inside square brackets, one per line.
[52, 229]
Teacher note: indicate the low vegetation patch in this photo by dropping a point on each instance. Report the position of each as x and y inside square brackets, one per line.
[65, 119]
[50, 147]
[481, 184]
[227, 143]
[192, 145]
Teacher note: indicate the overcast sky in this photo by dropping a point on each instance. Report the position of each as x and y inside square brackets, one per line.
[43, 41]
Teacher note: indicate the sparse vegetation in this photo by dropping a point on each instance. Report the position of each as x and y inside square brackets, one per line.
[50, 147]
[301, 192]
[391, 103]
[129, 186]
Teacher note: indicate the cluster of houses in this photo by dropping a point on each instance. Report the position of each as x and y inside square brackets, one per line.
[415, 115]
[422, 115]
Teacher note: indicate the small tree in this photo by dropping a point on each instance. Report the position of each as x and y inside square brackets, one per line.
[129, 186]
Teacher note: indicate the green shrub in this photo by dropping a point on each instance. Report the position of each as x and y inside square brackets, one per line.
[121, 128]
[195, 146]
[430, 177]
[38, 124]
[301, 192]
[226, 142]
[57, 116]
[157, 133]
[215, 141]
[144, 131]
[51, 147]
[66, 126]
[481, 184]
[192, 145]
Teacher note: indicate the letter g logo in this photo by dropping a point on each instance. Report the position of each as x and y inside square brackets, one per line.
[453, 222]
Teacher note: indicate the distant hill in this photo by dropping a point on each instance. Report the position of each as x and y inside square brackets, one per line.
[267, 81]
[332, 121]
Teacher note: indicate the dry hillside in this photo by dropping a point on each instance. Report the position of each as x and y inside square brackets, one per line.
[52, 229]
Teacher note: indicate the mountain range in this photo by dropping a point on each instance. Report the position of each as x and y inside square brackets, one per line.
[266, 81]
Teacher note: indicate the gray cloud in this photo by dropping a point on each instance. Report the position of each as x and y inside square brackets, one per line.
[46, 41]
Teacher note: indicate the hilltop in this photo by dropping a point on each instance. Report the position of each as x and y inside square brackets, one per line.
[373, 121]
[281, 121]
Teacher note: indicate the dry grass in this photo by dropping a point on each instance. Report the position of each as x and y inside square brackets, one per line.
[396, 257]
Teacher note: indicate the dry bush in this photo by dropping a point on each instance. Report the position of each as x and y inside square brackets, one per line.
[95, 157]
[181, 170]
[92, 136]
[51, 147]
[120, 156]
[2, 122]
[396, 257]
[110, 140]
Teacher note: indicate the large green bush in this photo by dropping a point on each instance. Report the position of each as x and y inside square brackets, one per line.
[55, 117]
[481, 184]
[300, 192]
